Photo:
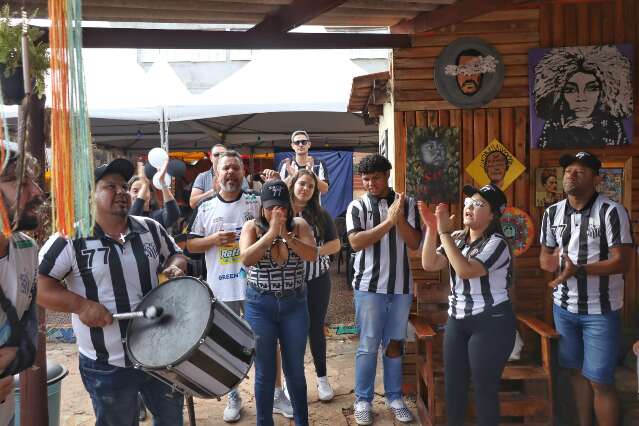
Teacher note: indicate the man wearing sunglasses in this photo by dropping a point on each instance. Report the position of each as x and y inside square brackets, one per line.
[301, 144]
[206, 185]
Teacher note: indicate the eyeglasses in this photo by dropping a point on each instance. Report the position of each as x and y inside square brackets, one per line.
[217, 154]
[300, 142]
[475, 203]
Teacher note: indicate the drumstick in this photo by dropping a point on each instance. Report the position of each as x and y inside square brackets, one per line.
[151, 312]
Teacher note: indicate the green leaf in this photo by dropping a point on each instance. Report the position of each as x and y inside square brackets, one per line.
[11, 49]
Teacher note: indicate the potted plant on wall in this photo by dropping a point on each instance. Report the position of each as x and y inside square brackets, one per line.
[11, 57]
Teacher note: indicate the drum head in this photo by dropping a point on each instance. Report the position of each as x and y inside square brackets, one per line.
[157, 343]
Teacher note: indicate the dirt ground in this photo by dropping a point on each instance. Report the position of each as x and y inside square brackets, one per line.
[76, 407]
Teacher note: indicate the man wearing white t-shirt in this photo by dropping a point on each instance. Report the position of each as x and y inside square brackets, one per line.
[217, 228]
[18, 266]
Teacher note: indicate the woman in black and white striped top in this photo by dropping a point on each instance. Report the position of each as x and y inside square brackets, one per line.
[305, 197]
[274, 247]
[480, 332]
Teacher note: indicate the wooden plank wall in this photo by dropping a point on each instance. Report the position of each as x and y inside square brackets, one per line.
[513, 33]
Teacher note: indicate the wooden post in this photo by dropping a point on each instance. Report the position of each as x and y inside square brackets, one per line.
[33, 382]
[251, 166]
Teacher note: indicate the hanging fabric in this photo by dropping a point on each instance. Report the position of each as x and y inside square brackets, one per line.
[72, 181]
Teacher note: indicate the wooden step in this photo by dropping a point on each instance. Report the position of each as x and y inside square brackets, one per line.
[524, 372]
[509, 406]
[511, 372]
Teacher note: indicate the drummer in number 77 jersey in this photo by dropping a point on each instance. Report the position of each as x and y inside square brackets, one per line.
[109, 273]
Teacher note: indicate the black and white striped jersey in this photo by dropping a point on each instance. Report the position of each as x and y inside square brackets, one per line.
[319, 168]
[322, 264]
[382, 267]
[587, 236]
[473, 296]
[114, 274]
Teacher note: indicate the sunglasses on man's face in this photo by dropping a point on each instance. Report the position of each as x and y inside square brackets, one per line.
[217, 154]
[300, 142]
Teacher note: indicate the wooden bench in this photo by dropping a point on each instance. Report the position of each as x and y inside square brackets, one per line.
[526, 395]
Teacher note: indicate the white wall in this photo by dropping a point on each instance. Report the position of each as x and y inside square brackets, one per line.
[387, 123]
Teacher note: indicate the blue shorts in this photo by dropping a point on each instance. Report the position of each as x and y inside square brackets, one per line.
[589, 343]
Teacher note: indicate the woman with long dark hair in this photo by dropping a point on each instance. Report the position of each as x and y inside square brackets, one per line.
[305, 197]
[480, 332]
[274, 248]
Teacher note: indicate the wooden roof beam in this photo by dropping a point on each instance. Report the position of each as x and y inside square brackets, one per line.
[294, 14]
[452, 14]
[202, 39]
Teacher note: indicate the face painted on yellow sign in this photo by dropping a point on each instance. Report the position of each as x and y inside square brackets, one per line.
[496, 165]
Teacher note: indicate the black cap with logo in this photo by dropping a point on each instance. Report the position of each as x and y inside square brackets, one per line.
[583, 157]
[119, 166]
[490, 193]
[275, 193]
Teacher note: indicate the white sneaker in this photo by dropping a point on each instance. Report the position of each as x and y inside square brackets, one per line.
[324, 389]
[285, 389]
[233, 407]
[399, 409]
[282, 405]
[363, 413]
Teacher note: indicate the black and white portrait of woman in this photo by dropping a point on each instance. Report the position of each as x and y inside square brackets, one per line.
[582, 96]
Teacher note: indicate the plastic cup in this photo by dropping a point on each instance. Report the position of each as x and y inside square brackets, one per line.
[229, 227]
[157, 157]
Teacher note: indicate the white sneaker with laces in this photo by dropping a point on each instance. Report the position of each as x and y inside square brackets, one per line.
[363, 413]
[281, 404]
[399, 409]
[324, 389]
[233, 407]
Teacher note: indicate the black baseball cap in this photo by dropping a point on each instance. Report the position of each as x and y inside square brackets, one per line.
[583, 157]
[490, 193]
[275, 193]
[119, 166]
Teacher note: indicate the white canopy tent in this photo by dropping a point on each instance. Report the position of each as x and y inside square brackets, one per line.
[278, 81]
[118, 88]
[259, 105]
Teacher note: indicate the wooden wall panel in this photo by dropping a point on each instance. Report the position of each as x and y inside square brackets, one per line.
[513, 33]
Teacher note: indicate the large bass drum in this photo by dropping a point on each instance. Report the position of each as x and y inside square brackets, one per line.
[198, 346]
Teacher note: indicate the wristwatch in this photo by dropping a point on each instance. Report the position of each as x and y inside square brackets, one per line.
[580, 272]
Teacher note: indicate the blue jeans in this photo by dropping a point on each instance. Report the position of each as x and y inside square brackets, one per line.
[286, 319]
[114, 394]
[380, 318]
[589, 343]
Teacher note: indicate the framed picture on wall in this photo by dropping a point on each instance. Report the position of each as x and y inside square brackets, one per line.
[612, 182]
[548, 186]
[432, 164]
[581, 97]
[469, 72]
